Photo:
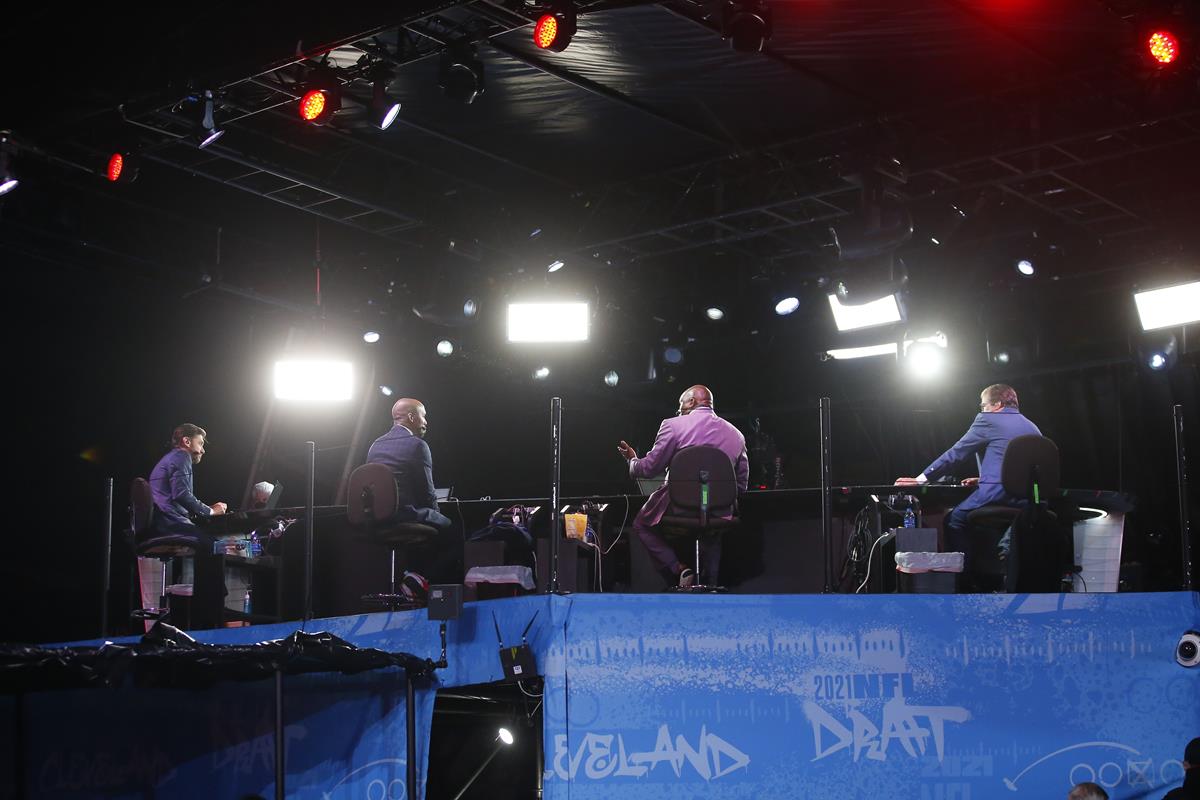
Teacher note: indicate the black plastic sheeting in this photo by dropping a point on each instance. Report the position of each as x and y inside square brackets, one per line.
[166, 657]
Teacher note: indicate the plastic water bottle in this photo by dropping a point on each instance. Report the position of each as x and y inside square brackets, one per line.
[246, 602]
[910, 518]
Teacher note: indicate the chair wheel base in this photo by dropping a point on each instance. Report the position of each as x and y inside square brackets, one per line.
[393, 602]
[697, 589]
[148, 614]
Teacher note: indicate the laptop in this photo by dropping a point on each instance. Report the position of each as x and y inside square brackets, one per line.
[648, 486]
[442, 495]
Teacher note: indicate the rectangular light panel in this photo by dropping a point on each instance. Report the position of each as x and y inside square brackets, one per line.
[548, 322]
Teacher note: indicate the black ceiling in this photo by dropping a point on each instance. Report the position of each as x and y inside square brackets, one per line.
[664, 168]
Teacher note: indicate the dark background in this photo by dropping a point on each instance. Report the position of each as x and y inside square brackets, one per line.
[118, 335]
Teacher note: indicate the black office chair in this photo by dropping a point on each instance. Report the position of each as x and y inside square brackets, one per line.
[1038, 556]
[373, 500]
[703, 490]
[149, 544]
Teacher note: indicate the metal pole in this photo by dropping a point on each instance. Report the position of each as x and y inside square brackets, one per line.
[826, 494]
[280, 742]
[478, 772]
[1185, 532]
[106, 584]
[410, 745]
[309, 492]
[555, 486]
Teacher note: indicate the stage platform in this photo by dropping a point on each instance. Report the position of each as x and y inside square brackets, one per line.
[928, 697]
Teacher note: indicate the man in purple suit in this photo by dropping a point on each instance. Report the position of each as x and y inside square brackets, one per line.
[695, 424]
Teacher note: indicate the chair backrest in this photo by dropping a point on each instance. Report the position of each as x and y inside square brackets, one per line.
[371, 495]
[1030, 458]
[141, 507]
[695, 468]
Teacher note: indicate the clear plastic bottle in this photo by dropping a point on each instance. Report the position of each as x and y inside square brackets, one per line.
[246, 606]
[910, 518]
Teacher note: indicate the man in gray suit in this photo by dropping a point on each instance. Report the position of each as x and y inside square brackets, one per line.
[695, 424]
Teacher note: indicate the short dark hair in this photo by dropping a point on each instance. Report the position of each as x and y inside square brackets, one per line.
[1087, 791]
[186, 431]
[1001, 393]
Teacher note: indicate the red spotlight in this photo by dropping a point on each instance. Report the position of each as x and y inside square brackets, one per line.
[312, 105]
[545, 30]
[1163, 47]
[116, 163]
[121, 168]
[554, 29]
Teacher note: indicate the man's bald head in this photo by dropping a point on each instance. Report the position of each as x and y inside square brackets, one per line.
[411, 414]
[695, 397]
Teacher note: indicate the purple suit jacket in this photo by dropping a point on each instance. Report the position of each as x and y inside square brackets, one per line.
[701, 426]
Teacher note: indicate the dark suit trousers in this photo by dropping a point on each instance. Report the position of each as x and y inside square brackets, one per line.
[665, 558]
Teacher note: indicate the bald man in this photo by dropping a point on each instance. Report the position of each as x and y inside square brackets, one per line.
[694, 424]
[403, 450]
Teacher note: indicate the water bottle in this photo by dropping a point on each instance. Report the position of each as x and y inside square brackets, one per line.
[246, 602]
[910, 518]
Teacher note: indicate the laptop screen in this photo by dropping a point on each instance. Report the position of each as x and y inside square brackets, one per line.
[650, 485]
[443, 494]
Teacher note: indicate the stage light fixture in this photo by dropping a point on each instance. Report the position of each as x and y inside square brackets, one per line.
[461, 75]
[673, 355]
[1025, 267]
[1002, 357]
[1157, 361]
[555, 266]
[611, 379]
[747, 25]
[445, 348]
[548, 322]
[386, 391]
[786, 305]
[314, 381]
[8, 179]
[318, 105]
[121, 168]
[884, 311]
[924, 360]
[845, 353]
[1169, 307]
[384, 108]
[371, 337]
[554, 29]
[715, 313]
[207, 131]
[1158, 351]
[1163, 47]
[505, 735]
[541, 373]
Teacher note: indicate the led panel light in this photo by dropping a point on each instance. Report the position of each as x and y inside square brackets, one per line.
[883, 311]
[548, 322]
[1169, 307]
[314, 381]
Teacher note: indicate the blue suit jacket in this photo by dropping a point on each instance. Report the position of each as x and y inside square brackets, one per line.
[988, 437]
[409, 459]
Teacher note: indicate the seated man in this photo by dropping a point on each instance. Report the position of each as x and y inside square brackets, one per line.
[403, 450]
[695, 424]
[998, 423]
[175, 506]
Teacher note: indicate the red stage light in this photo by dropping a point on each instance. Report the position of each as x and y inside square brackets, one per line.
[545, 31]
[312, 105]
[1164, 47]
[116, 163]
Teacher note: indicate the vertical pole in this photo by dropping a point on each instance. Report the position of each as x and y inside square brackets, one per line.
[280, 742]
[826, 494]
[309, 494]
[410, 745]
[555, 487]
[1185, 532]
[106, 583]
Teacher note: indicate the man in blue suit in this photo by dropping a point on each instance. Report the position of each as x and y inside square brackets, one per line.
[998, 423]
[403, 450]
